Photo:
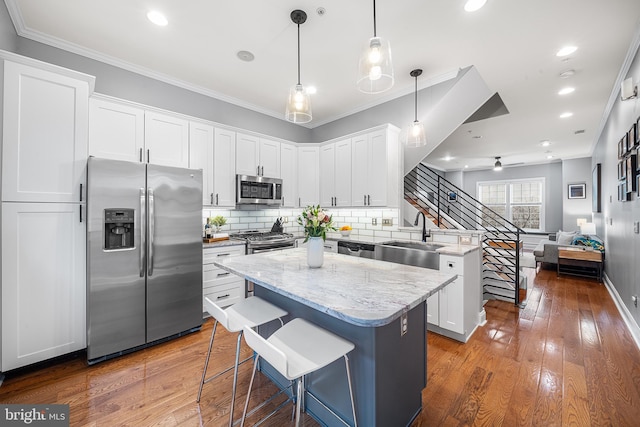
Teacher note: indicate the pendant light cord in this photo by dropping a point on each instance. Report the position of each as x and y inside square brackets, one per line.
[298, 54]
[374, 19]
[416, 100]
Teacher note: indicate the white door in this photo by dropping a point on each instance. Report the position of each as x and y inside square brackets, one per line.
[247, 154]
[224, 174]
[201, 157]
[378, 161]
[166, 140]
[116, 131]
[328, 174]
[359, 170]
[308, 189]
[343, 173]
[289, 174]
[45, 127]
[452, 306]
[43, 282]
[269, 158]
[433, 312]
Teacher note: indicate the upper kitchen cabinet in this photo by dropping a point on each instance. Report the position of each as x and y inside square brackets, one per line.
[224, 174]
[289, 174]
[116, 130]
[45, 120]
[166, 139]
[375, 171]
[201, 157]
[120, 130]
[308, 176]
[335, 170]
[257, 156]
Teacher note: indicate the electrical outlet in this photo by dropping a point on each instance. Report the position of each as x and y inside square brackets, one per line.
[465, 240]
[285, 219]
[404, 322]
[387, 221]
[636, 227]
[374, 221]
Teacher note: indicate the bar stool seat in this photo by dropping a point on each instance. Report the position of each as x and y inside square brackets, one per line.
[248, 313]
[295, 350]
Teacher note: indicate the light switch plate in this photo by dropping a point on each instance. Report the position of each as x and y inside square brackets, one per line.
[387, 221]
[636, 227]
[374, 221]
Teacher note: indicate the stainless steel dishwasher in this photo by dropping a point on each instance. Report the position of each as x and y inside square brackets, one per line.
[363, 250]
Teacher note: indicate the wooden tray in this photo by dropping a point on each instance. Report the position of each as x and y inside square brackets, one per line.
[214, 239]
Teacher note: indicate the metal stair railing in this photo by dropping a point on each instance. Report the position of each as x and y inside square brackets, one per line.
[448, 206]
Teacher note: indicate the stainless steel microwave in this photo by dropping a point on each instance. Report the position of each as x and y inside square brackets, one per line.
[258, 190]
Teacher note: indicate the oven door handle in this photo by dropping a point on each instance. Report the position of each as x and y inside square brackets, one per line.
[279, 248]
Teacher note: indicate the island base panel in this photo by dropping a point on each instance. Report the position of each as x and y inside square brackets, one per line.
[388, 369]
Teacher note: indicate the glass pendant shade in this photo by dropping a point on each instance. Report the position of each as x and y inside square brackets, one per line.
[416, 136]
[375, 69]
[298, 105]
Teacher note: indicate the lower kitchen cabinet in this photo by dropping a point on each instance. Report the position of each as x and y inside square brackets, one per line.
[456, 310]
[43, 282]
[220, 286]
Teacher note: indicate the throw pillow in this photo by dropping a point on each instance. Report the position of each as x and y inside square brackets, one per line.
[565, 237]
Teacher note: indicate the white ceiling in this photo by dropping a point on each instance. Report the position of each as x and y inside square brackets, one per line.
[512, 43]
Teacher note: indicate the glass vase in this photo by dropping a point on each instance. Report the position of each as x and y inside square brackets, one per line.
[315, 252]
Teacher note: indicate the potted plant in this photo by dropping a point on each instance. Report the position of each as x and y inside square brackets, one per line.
[217, 222]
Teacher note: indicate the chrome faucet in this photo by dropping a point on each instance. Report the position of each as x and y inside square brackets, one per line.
[425, 232]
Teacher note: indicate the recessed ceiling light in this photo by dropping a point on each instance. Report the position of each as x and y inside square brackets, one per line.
[549, 156]
[466, 166]
[545, 143]
[473, 5]
[567, 73]
[567, 50]
[245, 55]
[157, 18]
[447, 158]
[566, 90]
[565, 115]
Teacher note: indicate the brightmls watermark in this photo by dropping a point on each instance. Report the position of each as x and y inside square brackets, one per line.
[34, 415]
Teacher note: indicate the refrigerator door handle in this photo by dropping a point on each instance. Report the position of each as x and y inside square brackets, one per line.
[151, 232]
[143, 214]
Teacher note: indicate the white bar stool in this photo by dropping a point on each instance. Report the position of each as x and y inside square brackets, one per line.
[295, 350]
[248, 313]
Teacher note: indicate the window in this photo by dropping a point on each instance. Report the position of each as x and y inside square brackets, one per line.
[519, 202]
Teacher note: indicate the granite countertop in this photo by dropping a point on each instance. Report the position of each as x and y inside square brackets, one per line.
[360, 291]
[448, 248]
[221, 243]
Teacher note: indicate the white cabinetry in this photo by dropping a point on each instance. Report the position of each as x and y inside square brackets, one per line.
[375, 171]
[44, 152]
[257, 156]
[122, 131]
[44, 148]
[220, 286]
[308, 177]
[166, 139]
[201, 157]
[116, 131]
[289, 174]
[224, 174]
[456, 310]
[335, 170]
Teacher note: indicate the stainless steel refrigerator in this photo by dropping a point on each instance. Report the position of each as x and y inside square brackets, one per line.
[144, 255]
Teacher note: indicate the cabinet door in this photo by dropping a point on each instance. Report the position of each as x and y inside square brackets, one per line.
[269, 158]
[224, 174]
[343, 173]
[44, 149]
[166, 140]
[377, 174]
[289, 174]
[452, 306]
[308, 189]
[359, 170]
[201, 157]
[247, 154]
[116, 131]
[433, 312]
[328, 174]
[43, 282]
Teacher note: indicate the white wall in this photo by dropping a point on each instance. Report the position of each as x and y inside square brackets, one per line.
[576, 171]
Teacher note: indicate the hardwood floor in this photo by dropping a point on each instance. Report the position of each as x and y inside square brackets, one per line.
[565, 359]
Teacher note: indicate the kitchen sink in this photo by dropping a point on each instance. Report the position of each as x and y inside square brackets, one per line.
[409, 253]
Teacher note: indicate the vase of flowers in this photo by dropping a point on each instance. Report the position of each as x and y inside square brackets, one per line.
[315, 222]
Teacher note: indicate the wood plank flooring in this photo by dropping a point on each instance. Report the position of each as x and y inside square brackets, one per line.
[565, 359]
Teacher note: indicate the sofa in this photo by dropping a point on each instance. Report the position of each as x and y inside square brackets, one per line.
[547, 250]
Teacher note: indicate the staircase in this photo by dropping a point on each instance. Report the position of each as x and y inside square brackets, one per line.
[449, 207]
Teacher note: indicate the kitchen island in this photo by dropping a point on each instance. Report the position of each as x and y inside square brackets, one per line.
[379, 306]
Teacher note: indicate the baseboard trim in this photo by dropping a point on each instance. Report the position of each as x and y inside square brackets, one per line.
[631, 323]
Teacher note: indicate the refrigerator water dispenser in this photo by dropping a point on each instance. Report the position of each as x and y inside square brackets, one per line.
[118, 229]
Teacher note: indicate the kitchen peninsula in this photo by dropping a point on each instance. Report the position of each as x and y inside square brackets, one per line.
[379, 306]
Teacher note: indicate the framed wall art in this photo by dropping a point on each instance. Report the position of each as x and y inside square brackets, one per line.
[577, 191]
[595, 188]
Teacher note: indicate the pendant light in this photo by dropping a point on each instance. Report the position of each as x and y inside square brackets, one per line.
[416, 136]
[498, 165]
[299, 103]
[375, 70]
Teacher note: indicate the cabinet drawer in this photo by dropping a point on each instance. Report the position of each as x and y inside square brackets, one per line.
[451, 264]
[224, 296]
[215, 273]
[212, 254]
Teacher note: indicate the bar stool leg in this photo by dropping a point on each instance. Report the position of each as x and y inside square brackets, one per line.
[206, 361]
[353, 404]
[299, 392]
[235, 380]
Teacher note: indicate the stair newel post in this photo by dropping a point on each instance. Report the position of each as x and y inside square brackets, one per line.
[517, 267]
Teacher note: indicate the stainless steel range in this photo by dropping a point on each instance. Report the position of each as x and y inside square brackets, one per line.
[265, 241]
